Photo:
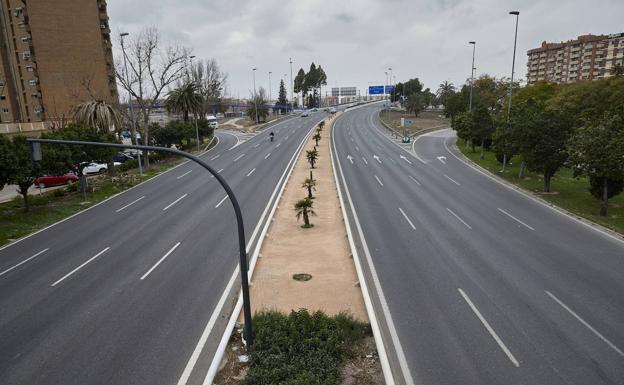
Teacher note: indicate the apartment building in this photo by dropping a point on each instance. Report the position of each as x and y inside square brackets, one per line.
[587, 57]
[53, 55]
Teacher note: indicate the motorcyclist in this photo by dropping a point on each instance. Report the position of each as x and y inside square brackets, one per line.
[271, 135]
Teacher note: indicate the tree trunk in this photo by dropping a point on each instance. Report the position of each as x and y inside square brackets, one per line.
[472, 144]
[306, 220]
[547, 177]
[482, 148]
[605, 198]
[24, 192]
[310, 191]
[522, 168]
[145, 157]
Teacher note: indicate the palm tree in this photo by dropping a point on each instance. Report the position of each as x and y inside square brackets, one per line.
[312, 156]
[304, 208]
[321, 125]
[309, 184]
[445, 90]
[97, 114]
[317, 137]
[185, 100]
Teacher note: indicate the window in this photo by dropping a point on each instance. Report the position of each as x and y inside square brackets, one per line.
[34, 96]
[18, 12]
[26, 55]
[5, 110]
[25, 39]
[30, 68]
[32, 82]
[38, 109]
[2, 97]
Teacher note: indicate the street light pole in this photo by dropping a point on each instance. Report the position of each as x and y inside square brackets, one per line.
[134, 138]
[270, 93]
[390, 81]
[196, 127]
[254, 96]
[292, 88]
[474, 44]
[513, 64]
[243, 263]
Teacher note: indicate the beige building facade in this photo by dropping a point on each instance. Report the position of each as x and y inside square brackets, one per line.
[588, 57]
[53, 55]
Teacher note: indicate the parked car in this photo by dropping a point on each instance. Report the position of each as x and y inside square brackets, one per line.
[55, 180]
[132, 152]
[122, 157]
[95, 168]
[305, 114]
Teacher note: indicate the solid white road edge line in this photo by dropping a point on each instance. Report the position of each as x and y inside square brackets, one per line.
[221, 201]
[251, 172]
[81, 266]
[378, 181]
[216, 360]
[175, 201]
[588, 326]
[105, 200]
[489, 329]
[515, 219]
[407, 219]
[381, 349]
[527, 195]
[24, 261]
[129, 204]
[160, 261]
[185, 174]
[451, 179]
[458, 218]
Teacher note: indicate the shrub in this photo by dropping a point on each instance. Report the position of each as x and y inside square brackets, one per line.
[301, 348]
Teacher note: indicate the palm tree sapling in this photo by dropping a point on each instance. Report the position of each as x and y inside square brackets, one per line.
[312, 156]
[304, 208]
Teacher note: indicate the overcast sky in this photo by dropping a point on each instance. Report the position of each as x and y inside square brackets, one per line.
[356, 41]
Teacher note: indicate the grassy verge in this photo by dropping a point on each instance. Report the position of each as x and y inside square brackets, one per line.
[568, 192]
[425, 120]
[303, 348]
[55, 205]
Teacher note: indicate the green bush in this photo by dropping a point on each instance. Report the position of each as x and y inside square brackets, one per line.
[302, 348]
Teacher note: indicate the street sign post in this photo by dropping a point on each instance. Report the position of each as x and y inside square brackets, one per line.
[375, 90]
[389, 89]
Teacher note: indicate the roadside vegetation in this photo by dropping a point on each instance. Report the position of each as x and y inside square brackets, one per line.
[555, 133]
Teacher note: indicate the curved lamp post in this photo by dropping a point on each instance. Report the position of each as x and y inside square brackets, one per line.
[35, 149]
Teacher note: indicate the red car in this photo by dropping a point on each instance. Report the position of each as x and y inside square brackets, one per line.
[50, 180]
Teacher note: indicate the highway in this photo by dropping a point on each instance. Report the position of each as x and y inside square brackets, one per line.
[476, 283]
[122, 293]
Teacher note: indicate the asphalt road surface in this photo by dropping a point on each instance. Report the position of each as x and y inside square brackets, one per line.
[481, 284]
[121, 293]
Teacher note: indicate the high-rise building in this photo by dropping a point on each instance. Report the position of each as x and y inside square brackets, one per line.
[588, 57]
[53, 55]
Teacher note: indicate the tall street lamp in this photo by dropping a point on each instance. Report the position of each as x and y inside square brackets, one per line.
[35, 150]
[254, 96]
[270, 93]
[390, 81]
[474, 44]
[513, 64]
[292, 87]
[134, 138]
[196, 112]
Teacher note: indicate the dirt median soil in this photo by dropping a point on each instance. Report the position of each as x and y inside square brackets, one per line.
[321, 251]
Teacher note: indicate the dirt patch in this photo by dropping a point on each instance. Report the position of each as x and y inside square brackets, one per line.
[426, 120]
[363, 367]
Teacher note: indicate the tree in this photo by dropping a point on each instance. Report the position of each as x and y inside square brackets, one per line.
[617, 70]
[5, 160]
[415, 103]
[259, 101]
[598, 152]
[304, 208]
[152, 70]
[317, 137]
[97, 113]
[21, 171]
[445, 90]
[282, 101]
[312, 156]
[463, 124]
[541, 134]
[211, 82]
[185, 100]
[310, 185]
[482, 127]
[299, 84]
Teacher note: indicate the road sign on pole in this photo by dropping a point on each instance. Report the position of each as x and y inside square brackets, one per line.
[389, 89]
[375, 90]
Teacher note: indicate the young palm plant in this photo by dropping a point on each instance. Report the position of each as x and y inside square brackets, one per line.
[317, 137]
[312, 156]
[310, 185]
[304, 209]
[321, 125]
[97, 114]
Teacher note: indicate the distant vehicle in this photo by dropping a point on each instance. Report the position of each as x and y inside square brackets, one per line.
[95, 168]
[305, 114]
[212, 122]
[55, 180]
[314, 109]
[122, 157]
[132, 153]
[332, 110]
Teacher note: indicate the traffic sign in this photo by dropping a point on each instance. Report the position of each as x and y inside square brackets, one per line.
[375, 90]
[389, 89]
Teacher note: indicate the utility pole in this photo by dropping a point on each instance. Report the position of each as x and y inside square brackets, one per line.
[270, 95]
[292, 88]
[254, 95]
[513, 64]
[196, 117]
[134, 138]
[474, 44]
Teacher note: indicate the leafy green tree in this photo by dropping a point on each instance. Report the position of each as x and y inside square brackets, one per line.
[186, 99]
[300, 84]
[482, 127]
[310, 185]
[259, 101]
[305, 208]
[617, 70]
[541, 134]
[463, 125]
[415, 103]
[282, 101]
[5, 160]
[21, 171]
[312, 157]
[598, 152]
